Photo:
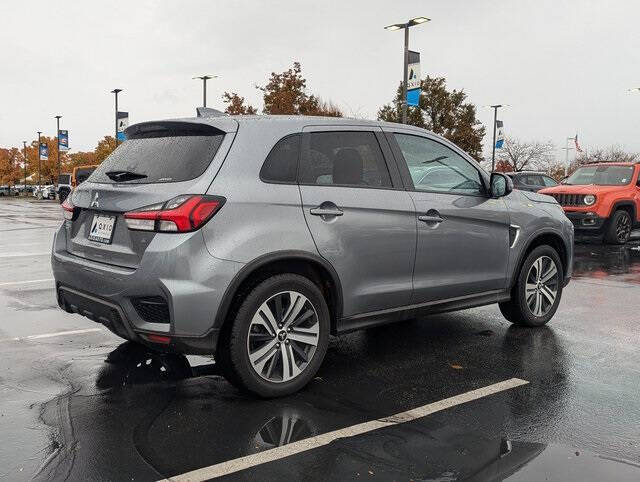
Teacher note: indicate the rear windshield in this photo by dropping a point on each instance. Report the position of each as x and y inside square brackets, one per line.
[602, 175]
[64, 178]
[162, 154]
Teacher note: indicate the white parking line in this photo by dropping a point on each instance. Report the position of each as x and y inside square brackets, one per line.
[11, 283]
[52, 335]
[242, 463]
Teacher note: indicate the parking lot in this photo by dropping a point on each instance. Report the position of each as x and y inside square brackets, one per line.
[454, 396]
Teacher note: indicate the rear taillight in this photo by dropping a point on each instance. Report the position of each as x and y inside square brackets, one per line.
[178, 215]
[68, 209]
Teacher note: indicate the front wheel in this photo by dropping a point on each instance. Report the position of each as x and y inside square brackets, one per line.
[278, 338]
[536, 295]
[619, 229]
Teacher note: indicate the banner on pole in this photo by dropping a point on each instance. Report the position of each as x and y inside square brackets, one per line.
[413, 79]
[63, 140]
[500, 135]
[123, 123]
[43, 151]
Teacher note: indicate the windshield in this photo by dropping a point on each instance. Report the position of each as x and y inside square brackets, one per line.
[602, 175]
[64, 178]
[163, 155]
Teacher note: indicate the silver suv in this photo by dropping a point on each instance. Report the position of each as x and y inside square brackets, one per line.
[254, 238]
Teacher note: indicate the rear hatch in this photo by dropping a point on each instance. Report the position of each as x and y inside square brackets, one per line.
[157, 162]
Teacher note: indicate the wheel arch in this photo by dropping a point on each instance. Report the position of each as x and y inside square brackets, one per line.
[550, 238]
[628, 206]
[299, 262]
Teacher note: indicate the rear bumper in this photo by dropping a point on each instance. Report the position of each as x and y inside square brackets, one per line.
[587, 222]
[184, 274]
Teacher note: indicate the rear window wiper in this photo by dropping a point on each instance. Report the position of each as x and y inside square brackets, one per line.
[121, 176]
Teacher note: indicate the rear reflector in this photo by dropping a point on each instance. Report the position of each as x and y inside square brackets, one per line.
[164, 340]
[178, 215]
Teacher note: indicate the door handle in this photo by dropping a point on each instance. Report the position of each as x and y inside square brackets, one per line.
[320, 211]
[431, 219]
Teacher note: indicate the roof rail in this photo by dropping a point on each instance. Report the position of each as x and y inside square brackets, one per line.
[208, 112]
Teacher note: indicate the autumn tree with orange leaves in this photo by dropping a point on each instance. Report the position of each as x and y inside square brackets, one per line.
[285, 93]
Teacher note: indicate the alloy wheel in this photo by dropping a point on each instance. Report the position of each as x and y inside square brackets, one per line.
[283, 336]
[623, 228]
[542, 286]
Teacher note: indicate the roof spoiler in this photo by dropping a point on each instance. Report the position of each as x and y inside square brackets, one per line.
[208, 112]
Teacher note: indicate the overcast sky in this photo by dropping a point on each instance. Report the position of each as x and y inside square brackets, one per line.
[563, 66]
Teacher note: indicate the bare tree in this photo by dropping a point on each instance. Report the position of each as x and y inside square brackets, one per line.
[609, 154]
[517, 155]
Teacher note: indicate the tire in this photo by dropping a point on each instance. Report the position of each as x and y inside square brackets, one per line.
[532, 306]
[619, 228]
[279, 367]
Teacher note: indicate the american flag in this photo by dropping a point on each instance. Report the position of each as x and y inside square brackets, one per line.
[577, 145]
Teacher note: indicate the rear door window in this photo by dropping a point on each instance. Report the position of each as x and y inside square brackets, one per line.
[163, 154]
[345, 158]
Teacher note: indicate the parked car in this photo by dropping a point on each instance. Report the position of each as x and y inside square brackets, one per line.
[81, 174]
[8, 191]
[64, 186]
[45, 192]
[531, 180]
[253, 238]
[602, 199]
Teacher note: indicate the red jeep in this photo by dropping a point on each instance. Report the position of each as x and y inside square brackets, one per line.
[601, 198]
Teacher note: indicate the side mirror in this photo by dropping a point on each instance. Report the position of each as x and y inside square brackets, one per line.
[501, 185]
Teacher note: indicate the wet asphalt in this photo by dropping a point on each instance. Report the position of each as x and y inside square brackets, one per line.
[88, 406]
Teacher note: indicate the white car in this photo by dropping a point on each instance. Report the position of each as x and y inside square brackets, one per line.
[45, 192]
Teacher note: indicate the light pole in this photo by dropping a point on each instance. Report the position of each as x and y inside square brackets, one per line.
[24, 146]
[115, 136]
[39, 160]
[405, 74]
[566, 156]
[204, 79]
[493, 147]
[58, 150]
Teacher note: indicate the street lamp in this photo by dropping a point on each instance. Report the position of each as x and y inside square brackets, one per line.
[115, 91]
[405, 75]
[57, 117]
[24, 146]
[204, 79]
[39, 160]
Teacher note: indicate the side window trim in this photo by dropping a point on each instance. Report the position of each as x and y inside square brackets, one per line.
[392, 166]
[305, 149]
[294, 182]
[404, 169]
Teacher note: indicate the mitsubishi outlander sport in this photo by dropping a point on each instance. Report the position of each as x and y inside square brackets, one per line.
[255, 238]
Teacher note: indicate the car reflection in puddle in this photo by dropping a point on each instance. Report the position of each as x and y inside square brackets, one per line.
[601, 261]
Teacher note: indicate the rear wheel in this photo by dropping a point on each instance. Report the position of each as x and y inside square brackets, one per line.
[619, 229]
[536, 295]
[278, 337]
